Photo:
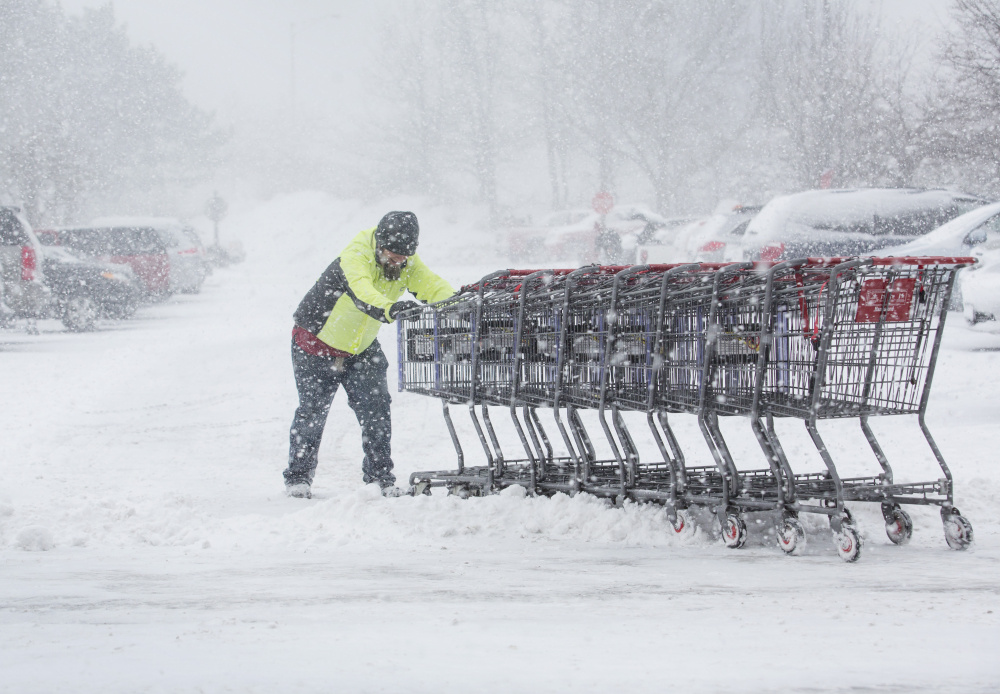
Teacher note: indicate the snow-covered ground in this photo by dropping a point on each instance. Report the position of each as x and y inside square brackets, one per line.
[146, 544]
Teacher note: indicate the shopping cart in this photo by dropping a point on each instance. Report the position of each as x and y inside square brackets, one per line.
[636, 359]
[588, 338]
[677, 367]
[736, 329]
[856, 339]
[547, 341]
[461, 350]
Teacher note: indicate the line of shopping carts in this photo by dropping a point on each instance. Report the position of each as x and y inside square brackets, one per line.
[811, 339]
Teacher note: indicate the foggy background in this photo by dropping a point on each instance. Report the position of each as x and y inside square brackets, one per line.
[514, 106]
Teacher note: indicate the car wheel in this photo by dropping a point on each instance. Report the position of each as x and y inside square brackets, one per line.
[80, 313]
[123, 310]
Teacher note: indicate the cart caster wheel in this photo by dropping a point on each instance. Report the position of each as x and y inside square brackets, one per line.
[459, 490]
[422, 489]
[957, 531]
[734, 532]
[900, 528]
[683, 525]
[792, 536]
[848, 542]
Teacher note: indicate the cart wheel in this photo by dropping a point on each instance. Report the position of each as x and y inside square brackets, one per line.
[734, 532]
[957, 531]
[80, 313]
[459, 490]
[900, 528]
[683, 525]
[792, 536]
[848, 542]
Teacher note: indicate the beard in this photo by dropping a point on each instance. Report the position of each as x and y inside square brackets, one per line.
[392, 272]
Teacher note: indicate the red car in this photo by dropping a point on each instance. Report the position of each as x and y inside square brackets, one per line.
[139, 248]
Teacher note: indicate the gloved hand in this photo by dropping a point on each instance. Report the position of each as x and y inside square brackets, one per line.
[400, 307]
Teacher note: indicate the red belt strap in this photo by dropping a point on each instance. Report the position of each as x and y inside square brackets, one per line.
[310, 344]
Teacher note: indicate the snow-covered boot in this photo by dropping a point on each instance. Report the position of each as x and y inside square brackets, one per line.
[299, 490]
[392, 491]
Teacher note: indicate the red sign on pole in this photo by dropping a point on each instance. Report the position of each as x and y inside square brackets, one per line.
[602, 202]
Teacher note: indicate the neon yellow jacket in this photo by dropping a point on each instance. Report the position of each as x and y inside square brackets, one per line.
[351, 299]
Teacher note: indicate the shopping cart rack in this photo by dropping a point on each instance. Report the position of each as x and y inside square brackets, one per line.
[811, 339]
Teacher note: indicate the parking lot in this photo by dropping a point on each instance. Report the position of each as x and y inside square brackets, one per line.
[145, 459]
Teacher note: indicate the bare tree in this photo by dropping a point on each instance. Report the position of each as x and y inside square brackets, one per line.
[407, 130]
[86, 116]
[820, 88]
[966, 108]
[550, 69]
[682, 87]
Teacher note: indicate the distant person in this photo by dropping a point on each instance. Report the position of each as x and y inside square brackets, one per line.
[607, 243]
[334, 343]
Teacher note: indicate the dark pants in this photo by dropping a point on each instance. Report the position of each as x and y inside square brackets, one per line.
[317, 379]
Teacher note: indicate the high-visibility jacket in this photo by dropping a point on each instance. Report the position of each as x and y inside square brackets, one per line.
[351, 299]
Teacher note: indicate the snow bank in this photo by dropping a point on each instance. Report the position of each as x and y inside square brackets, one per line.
[353, 517]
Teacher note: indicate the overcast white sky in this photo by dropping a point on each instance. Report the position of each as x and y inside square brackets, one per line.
[236, 54]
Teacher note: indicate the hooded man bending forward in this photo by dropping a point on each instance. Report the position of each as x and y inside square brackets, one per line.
[335, 342]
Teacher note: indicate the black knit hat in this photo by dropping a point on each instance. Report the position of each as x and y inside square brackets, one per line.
[398, 232]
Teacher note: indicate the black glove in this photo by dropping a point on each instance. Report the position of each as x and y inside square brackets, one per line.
[401, 307]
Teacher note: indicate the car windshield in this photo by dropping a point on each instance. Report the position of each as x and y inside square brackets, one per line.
[986, 235]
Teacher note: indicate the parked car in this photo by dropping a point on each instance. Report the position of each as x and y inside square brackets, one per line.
[527, 243]
[981, 289]
[969, 234]
[84, 290]
[23, 293]
[849, 222]
[188, 262]
[584, 236]
[714, 238]
[139, 248]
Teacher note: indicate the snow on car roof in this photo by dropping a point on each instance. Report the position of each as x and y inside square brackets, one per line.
[155, 222]
[822, 207]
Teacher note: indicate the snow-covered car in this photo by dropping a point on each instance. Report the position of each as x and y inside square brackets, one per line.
[850, 222]
[527, 243]
[981, 288]
[971, 234]
[584, 236]
[714, 238]
[84, 289]
[23, 293]
[968, 234]
[188, 262]
[140, 248]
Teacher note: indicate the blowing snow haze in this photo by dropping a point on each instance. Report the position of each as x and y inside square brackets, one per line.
[518, 107]
[146, 540]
